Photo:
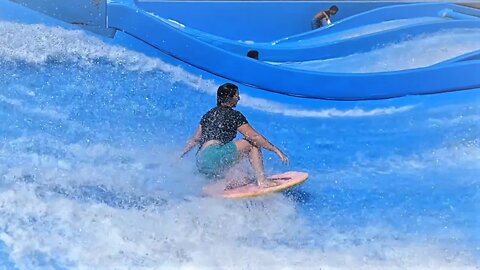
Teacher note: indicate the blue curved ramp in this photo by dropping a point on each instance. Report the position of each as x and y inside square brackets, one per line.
[337, 44]
[127, 17]
[225, 58]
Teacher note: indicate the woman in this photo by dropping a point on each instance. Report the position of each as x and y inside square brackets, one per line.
[216, 133]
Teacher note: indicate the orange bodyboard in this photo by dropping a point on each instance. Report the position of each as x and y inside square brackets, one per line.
[284, 181]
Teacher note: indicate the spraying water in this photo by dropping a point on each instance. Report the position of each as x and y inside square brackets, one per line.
[415, 52]
[88, 180]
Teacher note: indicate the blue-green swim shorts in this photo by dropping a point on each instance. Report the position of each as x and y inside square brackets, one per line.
[214, 160]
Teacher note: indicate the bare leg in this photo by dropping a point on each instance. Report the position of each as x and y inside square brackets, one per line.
[256, 160]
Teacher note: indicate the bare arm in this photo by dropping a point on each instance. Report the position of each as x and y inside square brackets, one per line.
[258, 140]
[194, 140]
[320, 15]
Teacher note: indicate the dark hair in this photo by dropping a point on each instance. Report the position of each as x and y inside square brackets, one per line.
[253, 54]
[225, 92]
[333, 8]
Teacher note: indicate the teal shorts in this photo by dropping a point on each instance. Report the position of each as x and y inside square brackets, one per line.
[215, 160]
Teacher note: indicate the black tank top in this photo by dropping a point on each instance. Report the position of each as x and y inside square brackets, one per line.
[221, 123]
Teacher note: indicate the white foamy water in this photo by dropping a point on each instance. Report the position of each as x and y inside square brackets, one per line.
[420, 51]
[203, 234]
[80, 195]
[48, 215]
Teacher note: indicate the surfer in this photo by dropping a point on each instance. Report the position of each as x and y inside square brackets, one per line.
[215, 135]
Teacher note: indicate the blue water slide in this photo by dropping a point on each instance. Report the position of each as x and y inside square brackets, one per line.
[127, 17]
[171, 38]
[320, 49]
[334, 45]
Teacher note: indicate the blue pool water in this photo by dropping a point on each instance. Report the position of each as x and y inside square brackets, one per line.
[88, 180]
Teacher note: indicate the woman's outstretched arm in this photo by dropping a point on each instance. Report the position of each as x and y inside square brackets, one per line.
[194, 140]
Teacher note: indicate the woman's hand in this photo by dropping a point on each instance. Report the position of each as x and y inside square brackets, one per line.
[282, 156]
